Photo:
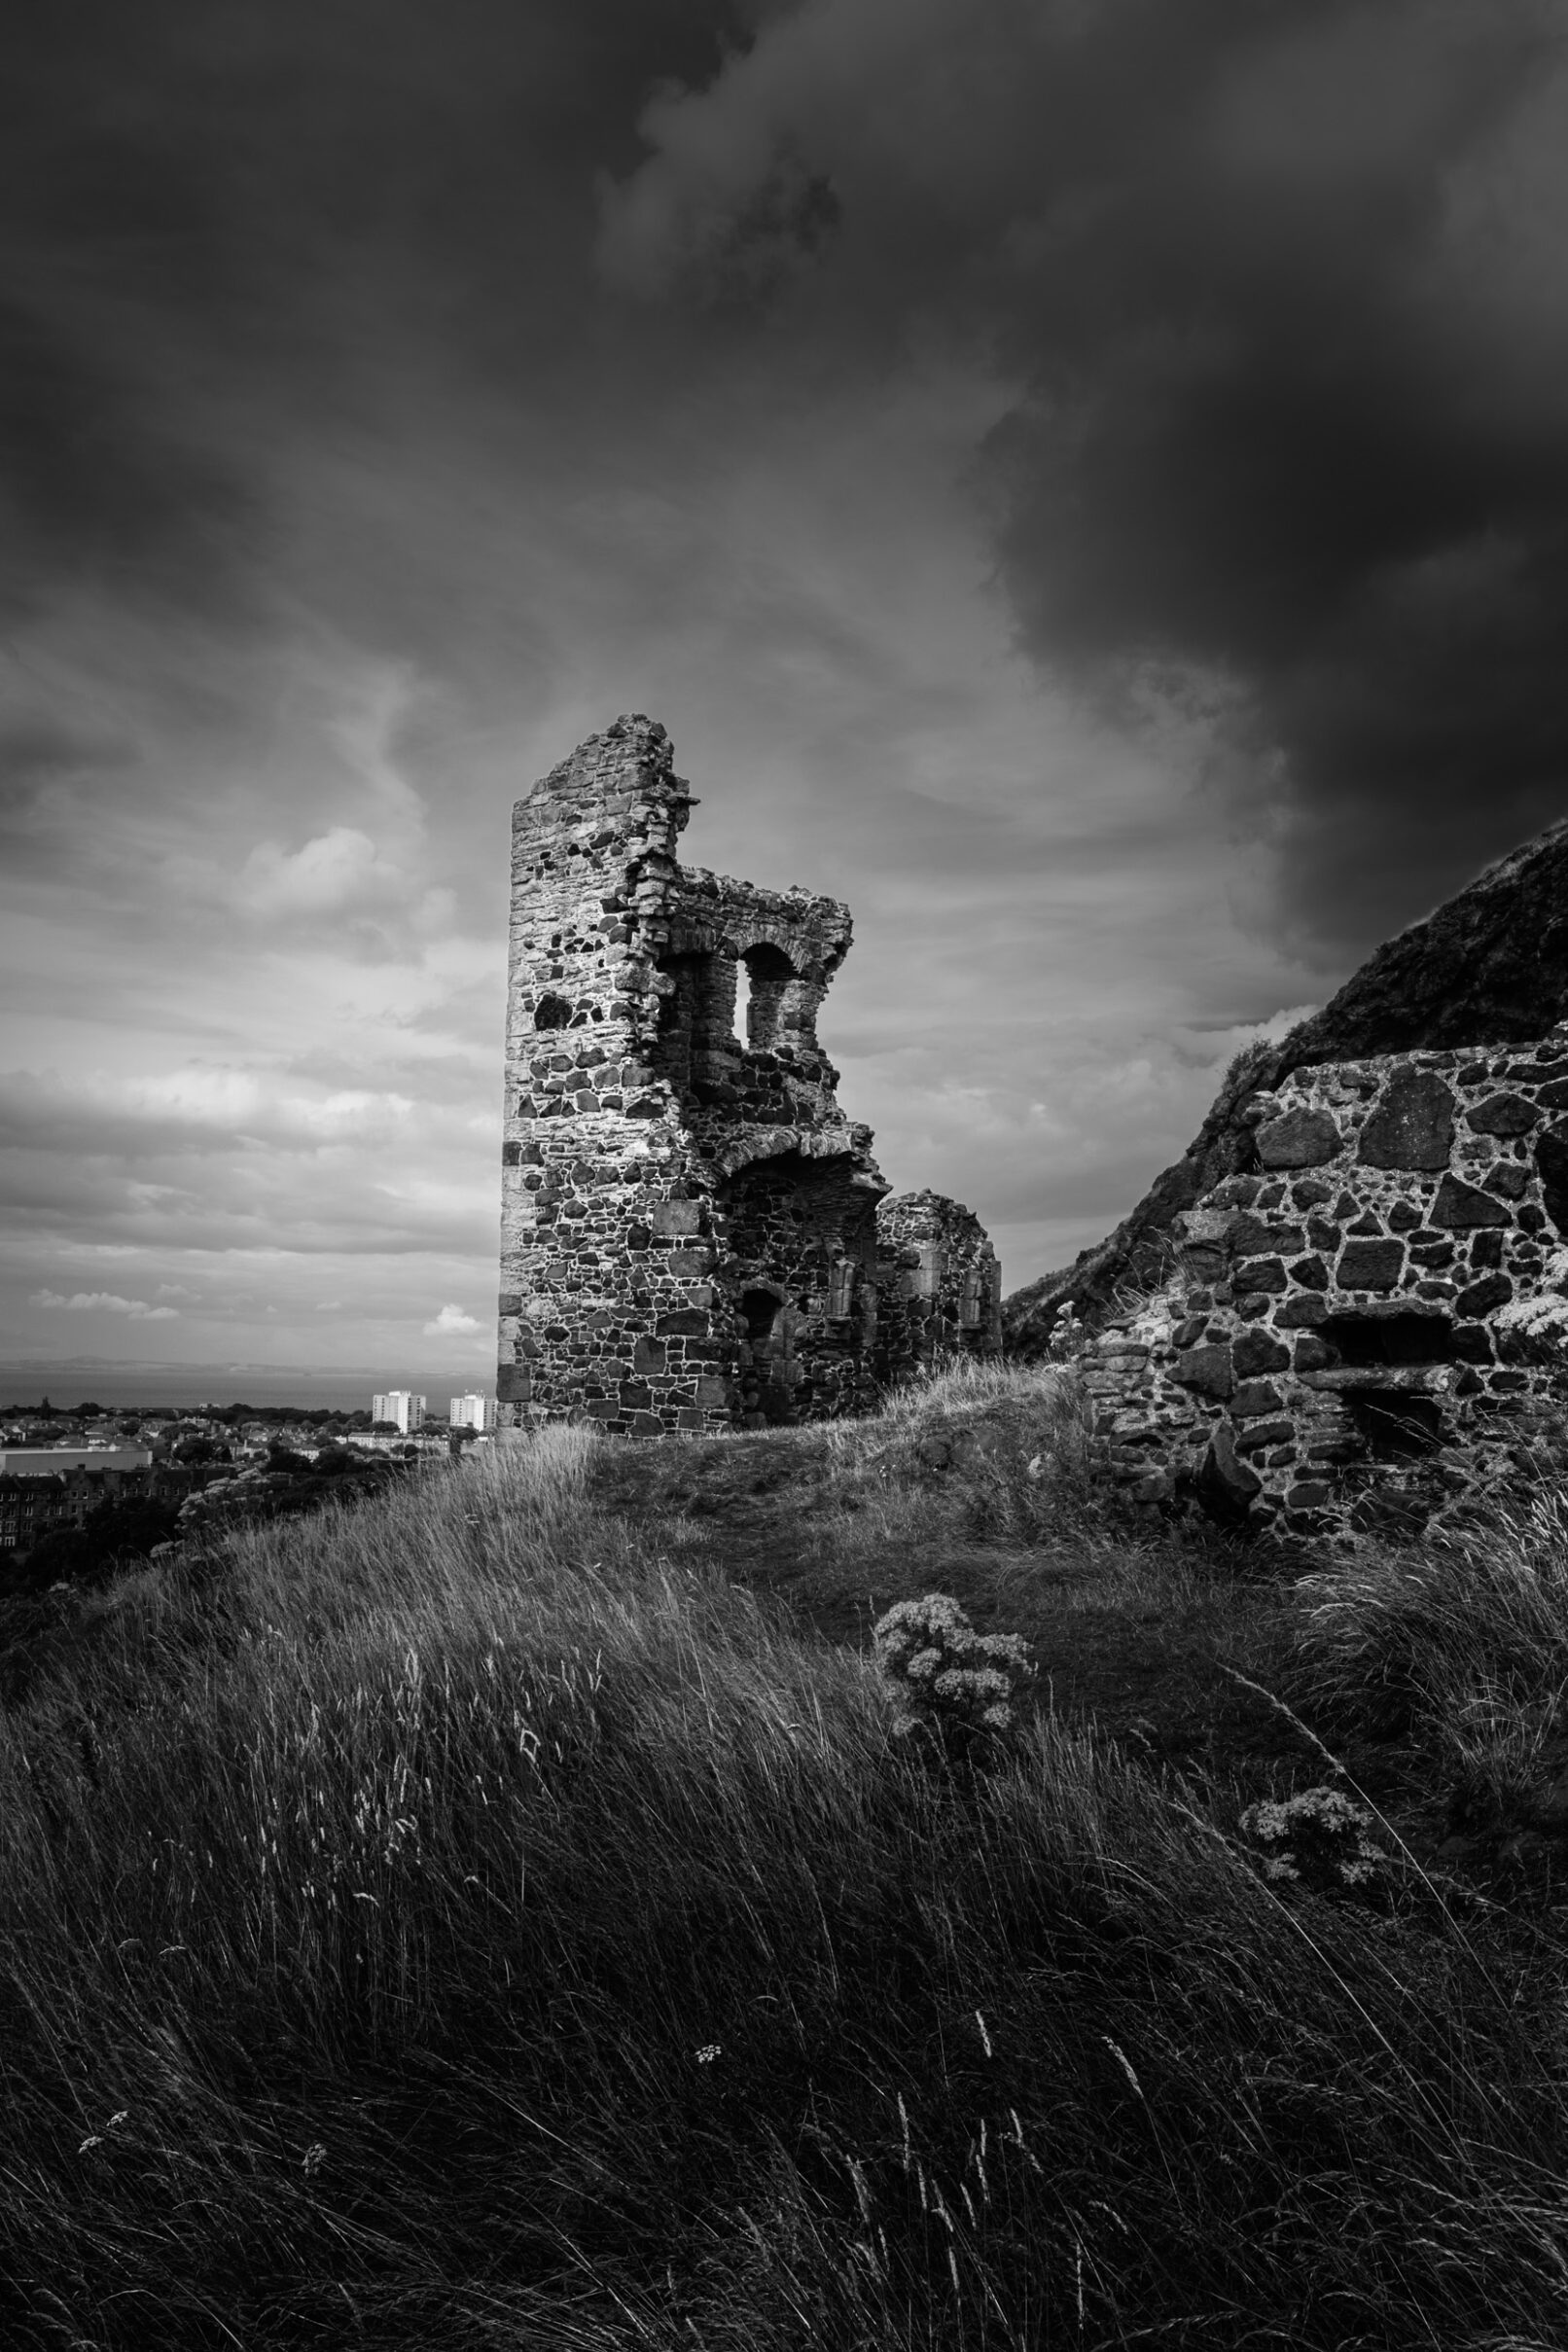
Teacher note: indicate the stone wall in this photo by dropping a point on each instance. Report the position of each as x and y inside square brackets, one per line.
[688, 1221]
[1367, 1329]
[1487, 969]
[938, 1281]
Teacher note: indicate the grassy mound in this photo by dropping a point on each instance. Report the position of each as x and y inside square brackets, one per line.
[509, 1914]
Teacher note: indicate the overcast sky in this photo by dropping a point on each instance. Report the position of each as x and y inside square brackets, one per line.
[1085, 481]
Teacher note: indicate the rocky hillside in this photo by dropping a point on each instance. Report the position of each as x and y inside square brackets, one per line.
[1490, 966]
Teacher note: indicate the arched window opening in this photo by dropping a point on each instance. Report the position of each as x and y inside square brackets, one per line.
[697, 992]
[743, 1000]
[842, 1291]
[552, 1012]
[768, 973]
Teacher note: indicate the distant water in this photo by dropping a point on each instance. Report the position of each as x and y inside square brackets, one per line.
[119, 1384]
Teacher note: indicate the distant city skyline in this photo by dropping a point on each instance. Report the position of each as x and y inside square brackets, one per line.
[115, 1386]
[1084, 486]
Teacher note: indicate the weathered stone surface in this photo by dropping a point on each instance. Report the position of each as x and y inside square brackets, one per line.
[1308, 1496]
[1206, 1369]
[1253, 1398]
[1300, 1313]
[1504, 1115]
[1258, 1351]
[1261, 1236]
[1459, 1207]
[1412, 1125]
[1263, 1437]
[1369, 1265]
[1301, 1138]
[1482, 1297]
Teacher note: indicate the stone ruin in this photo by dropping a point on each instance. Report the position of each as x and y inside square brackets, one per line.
[1365, 1328]
[693, 1236]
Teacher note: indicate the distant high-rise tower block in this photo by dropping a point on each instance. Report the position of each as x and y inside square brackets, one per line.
[689, 1222]
[471, 1412]
[400, 1407]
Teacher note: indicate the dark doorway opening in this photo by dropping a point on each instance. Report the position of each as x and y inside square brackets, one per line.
[767, 1383]
[761, 1310]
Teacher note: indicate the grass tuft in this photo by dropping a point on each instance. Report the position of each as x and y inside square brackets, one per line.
[1459, 1647]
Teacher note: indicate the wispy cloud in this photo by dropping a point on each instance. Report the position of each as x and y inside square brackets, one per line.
[451, 1321]
[105, 1302]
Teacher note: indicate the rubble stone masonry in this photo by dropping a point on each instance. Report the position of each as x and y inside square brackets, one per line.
[690, 1232]
[1365, 1331]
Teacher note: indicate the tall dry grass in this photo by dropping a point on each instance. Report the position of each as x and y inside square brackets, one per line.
[450, 1925]
[1459, 1646]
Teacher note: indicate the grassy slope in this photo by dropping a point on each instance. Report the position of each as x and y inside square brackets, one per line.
[505, 1915]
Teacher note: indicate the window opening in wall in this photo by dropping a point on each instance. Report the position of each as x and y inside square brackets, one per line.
[768, 973]
[742, 1000]
[1396, 1428]
[1390, 1340]
[924, 1281]
[761, 1310]
[552, 1012]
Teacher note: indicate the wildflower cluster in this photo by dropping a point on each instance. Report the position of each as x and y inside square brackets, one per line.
[1318, 1838]
[945, 1676]
[1067, 1336]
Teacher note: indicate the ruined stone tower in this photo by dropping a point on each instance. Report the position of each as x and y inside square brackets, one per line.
[688, 1221]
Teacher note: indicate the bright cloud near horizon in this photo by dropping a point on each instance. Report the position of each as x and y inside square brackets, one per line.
[1087, 486]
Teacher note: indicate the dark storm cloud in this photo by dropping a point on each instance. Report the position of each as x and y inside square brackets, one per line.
[1261, 443]
[1278, 284]
[224, 223]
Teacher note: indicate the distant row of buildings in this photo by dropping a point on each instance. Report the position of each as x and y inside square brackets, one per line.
[49, 1490]
[406, 1411]
[46, 1490]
